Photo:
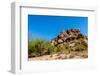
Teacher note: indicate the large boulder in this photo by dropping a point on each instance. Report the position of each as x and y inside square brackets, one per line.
[68, 35]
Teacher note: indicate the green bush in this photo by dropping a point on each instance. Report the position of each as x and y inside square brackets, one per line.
[80, 46]
[40, 47]
[35, 47]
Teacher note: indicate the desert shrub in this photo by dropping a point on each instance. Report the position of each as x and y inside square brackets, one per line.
[36, 47]
[40, 47]
[49, 48]
[79, 46]
[63, 48]
[59, 48]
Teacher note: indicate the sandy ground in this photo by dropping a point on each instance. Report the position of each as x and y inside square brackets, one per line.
[72, 55]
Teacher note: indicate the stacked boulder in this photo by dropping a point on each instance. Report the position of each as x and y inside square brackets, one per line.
[67, 36]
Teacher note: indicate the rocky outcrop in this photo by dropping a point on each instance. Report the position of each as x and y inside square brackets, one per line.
[69, 44]
[69, 35]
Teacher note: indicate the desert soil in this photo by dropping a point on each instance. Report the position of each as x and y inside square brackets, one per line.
[71, 55]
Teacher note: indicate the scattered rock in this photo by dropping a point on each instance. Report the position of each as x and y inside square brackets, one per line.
[85, 56]
[63, 56]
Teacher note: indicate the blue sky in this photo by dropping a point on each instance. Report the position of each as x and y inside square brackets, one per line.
[48, 27]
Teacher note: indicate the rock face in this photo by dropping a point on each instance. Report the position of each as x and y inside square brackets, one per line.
[69, 35]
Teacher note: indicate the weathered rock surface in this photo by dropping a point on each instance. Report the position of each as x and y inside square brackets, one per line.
[69, 35]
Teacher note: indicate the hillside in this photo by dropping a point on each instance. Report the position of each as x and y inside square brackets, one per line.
[67, 45]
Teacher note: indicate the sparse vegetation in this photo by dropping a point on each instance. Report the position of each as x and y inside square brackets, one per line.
[38, 47]
[41, 47]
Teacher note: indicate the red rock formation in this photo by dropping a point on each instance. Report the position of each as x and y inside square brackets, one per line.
[67, 36]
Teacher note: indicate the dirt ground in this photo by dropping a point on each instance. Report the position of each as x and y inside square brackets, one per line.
[61, 56]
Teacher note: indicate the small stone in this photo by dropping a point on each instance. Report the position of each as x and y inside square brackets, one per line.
[63, 56]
